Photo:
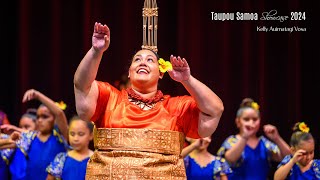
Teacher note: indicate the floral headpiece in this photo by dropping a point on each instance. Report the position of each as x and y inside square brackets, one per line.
[303, 127]
[61, 105]
[164, 66]
[255, 106]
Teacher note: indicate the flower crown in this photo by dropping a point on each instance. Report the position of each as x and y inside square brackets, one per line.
[61, 105]
[255, 106]
[164, 66]
[303, 127]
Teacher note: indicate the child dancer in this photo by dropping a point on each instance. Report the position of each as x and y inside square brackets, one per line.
[300, 164]
[248, 155]
[36, 149]
[201, 164]
[72, 165]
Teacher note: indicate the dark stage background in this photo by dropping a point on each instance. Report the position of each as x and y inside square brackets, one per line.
[44, 41]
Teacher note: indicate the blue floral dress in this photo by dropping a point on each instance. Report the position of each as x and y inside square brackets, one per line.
[254, 164]
[67, 168]
[32, 156]
[4, 168]
[296, 174]
[213, 170]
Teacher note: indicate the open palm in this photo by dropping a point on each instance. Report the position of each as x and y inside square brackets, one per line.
[101, 37]
[180, 69]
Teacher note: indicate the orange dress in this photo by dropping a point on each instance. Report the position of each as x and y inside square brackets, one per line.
[132, 143]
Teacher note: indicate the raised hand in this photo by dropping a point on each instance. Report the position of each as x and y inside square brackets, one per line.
[298, 155]
[100, 37]
[15, 136]
[30, 95]
[247, 131]
[180, 69]
[271, 132]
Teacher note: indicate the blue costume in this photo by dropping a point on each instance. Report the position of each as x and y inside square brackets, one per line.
[32, 156]
[67, 168]
[296, 174]
[4, 168]
[254, 163]
[213, 170]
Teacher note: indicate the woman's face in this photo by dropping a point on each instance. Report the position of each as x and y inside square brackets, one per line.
[79, 135]
[144, 69]
[27, 123]
[45, 120]
[249, 119]
[308, 147]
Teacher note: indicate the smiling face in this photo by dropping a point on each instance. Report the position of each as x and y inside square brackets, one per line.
[250, 119]
[144, 70]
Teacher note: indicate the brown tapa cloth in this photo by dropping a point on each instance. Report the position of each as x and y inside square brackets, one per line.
[123, 153]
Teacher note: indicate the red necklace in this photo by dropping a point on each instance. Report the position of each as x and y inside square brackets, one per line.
[134, 96]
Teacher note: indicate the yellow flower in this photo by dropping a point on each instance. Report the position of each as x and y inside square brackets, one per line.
[303, 127]
[255, 105]
[164, 66]
[61, 105]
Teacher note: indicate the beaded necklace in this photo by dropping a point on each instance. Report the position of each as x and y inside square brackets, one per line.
[144, 103]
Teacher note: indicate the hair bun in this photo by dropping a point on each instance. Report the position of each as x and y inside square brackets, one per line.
[300, 126]
[246, 102]
[32, 111]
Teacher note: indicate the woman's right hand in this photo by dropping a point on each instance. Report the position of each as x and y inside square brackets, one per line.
[101, 37]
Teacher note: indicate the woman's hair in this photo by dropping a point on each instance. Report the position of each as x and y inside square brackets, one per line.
[246, 104]
[31, 113]
[89, 124]
[300, 133]
[157, 55]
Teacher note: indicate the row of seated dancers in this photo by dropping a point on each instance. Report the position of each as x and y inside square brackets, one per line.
[45, 146]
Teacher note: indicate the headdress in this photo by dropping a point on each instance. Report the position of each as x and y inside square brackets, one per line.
[150, 25]
[150, 29]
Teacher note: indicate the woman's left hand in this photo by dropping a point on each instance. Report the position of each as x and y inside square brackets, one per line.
[180, 69]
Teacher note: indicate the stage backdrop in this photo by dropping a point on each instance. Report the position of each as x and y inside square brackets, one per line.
[44, 41]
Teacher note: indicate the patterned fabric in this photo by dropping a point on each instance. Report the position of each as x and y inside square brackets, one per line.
[4, 169]
[114, 110]
[67, 168]
[213, 170]
[33, 156]
[258, 159]
[4, 152]
[128, 154]
[55, 168]
[295, 172]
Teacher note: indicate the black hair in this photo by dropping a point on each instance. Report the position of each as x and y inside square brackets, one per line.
[31, 113]
[89, 124]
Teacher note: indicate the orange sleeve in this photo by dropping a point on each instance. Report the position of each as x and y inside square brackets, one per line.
[188, 116]
[104, 93]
